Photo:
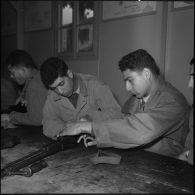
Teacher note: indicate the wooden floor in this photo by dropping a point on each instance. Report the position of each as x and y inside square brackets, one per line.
[72, 172]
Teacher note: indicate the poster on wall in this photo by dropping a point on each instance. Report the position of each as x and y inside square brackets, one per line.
[85, 38]
[118, 9]
[182, 4]
[37, 15]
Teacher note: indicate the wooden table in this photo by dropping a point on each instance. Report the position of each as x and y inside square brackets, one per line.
[72, 172]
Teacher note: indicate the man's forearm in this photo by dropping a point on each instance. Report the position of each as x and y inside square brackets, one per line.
[86, 127]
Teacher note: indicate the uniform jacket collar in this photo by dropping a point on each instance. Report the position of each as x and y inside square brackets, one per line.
[155, 93]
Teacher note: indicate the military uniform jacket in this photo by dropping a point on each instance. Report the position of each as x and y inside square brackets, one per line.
[160, 126]
[95, 100]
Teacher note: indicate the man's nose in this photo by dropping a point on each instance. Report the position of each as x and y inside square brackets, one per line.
[59, 90]
[128, 86]
[191, 83]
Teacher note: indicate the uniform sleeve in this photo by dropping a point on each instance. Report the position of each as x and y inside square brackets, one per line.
[52, 122]
[35, 102]
[189, 139]
[140, 128]
[108, 107]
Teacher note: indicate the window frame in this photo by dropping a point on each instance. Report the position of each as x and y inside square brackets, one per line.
[75, 54]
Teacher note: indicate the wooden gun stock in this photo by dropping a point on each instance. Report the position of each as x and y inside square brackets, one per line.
[13, 168]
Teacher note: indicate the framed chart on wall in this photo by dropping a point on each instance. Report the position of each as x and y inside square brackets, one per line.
[37, 15]
[178, 5]
[85, 38]
[119, 9]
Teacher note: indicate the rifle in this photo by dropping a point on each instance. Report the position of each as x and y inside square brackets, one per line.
[32, 163]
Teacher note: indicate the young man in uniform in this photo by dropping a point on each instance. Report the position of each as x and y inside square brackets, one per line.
[156, 115]
[24, 72]
[73, 97]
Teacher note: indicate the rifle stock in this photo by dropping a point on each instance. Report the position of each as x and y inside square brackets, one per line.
[65, 142]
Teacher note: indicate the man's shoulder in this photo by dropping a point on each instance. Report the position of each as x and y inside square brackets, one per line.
[36, 80]
[169, 92]
[52, 96]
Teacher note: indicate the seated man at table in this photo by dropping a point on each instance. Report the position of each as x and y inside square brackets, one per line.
[156, 115]
[24, 72]
[187, 154]
[73, 96]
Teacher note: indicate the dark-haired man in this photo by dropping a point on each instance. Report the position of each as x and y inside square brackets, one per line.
[24, 72]
[73, 97]
[156, 115]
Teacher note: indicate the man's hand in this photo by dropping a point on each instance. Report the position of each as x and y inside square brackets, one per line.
[5, 117]
[88, 140]
[22, 101]
[8, 125]
[5, 120]
[76, 128]
[184, 156]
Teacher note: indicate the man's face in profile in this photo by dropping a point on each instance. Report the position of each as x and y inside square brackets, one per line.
[137, 82]
[18, 74]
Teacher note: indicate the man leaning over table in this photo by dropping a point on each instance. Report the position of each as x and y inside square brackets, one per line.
[156, 115]
[25, 73]
[73, 97]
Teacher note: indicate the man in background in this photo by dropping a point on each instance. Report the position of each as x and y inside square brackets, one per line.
[156, 115]
[24, 72]
[73, 97]
[187, 154]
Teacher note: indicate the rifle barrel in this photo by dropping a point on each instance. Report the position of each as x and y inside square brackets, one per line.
[62, 143]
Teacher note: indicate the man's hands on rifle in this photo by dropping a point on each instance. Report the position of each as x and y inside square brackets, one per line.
[76, 128]
[88, 140]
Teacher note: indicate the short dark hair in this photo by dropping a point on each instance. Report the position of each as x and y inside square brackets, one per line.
[51, 69]
[20, 58]
[137, 61]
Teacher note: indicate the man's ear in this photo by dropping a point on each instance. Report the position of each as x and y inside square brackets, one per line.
[147, 73]
[25, 70]
[70, 74]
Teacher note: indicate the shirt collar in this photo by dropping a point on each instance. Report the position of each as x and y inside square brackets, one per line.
[145, 99]
[156, 89]
[75, 84]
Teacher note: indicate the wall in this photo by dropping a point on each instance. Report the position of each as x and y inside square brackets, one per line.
[167, 35]
[8, 34]
[121, 36]
[39, 44]
[180, 48]
[117, 38]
